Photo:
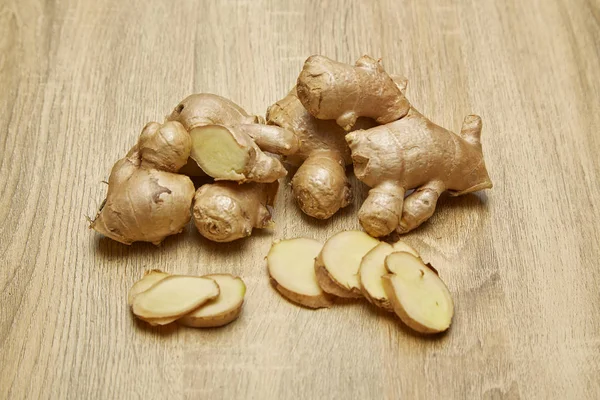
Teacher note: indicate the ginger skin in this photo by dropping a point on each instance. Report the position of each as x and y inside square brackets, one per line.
[210, 109]
[227, 211]
[147, 200]
[414, 153]
[320, 185]
[332, 90]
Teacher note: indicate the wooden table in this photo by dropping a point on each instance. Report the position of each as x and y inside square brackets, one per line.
[80, 79]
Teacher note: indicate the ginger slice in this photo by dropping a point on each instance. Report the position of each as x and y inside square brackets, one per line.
[223, 309]
[291, 265]
[172, 297]
[417, 294]
[150, 278]
[338, 262]
[372, 268]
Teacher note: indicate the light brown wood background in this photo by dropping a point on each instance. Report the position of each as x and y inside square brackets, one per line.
[78, 81]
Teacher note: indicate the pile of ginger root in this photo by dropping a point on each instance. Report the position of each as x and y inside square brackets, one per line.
[337, 115]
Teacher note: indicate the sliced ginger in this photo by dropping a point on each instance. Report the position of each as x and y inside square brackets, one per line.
[291, 266]
[372, 268]
[338, 263]
[223, 309]
[417, 294]
[149, 279]
[173, 297]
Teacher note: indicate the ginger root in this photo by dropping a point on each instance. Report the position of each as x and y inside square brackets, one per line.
[417, 294]
[414, 153]
[229, 153]
[210, 109]
[225, 211]
[332, 90]
[320, 185]
[291, 265]
[147, 200]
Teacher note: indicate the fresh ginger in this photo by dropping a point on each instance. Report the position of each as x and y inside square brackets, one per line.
[210, 109]
[226, 211]
[172, 297]
[148, 280]
[229, 153]
[291, 266]
[338, 263]
[200, 302]
[372, 268]
[320, 185]
[417, 294]
[147, 200]
[414, 153]
[332, 90]
[221, 310]
[227, 141]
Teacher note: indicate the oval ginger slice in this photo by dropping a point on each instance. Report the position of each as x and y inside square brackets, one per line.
[339, 261]
[291, 265]
[223, 309]
[150, 278]
[173, 297]
[372, 268]
[417, 294]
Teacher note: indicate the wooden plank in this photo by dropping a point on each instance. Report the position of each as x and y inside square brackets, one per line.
[80, 79]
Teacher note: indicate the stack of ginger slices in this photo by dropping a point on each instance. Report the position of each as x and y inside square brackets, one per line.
[352, 264]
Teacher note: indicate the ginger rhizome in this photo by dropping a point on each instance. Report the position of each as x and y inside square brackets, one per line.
[320, 185]
[147, 200]
[229, 153]
[332, 90]
[226, 211]
[227, 145]
[414, 153]
[199, 302]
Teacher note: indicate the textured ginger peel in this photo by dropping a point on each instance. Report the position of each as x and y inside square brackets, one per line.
[332, 90]
[414, 153]
[226, 211]
[147, 200]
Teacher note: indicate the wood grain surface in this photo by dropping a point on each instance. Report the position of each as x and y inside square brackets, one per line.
[79, 79]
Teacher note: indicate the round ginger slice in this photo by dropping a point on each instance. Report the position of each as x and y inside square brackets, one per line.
[223, 309]
[172, 297]
[338, 263]
[291, 265]
[372, 268]
[417, 294]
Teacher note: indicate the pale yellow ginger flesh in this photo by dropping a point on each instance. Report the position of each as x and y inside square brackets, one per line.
[149, 279]
[229, 153]
[172, 297]
[417, 294]
[223, 309]
[291, 265]
[372, 268]
[338, 262]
